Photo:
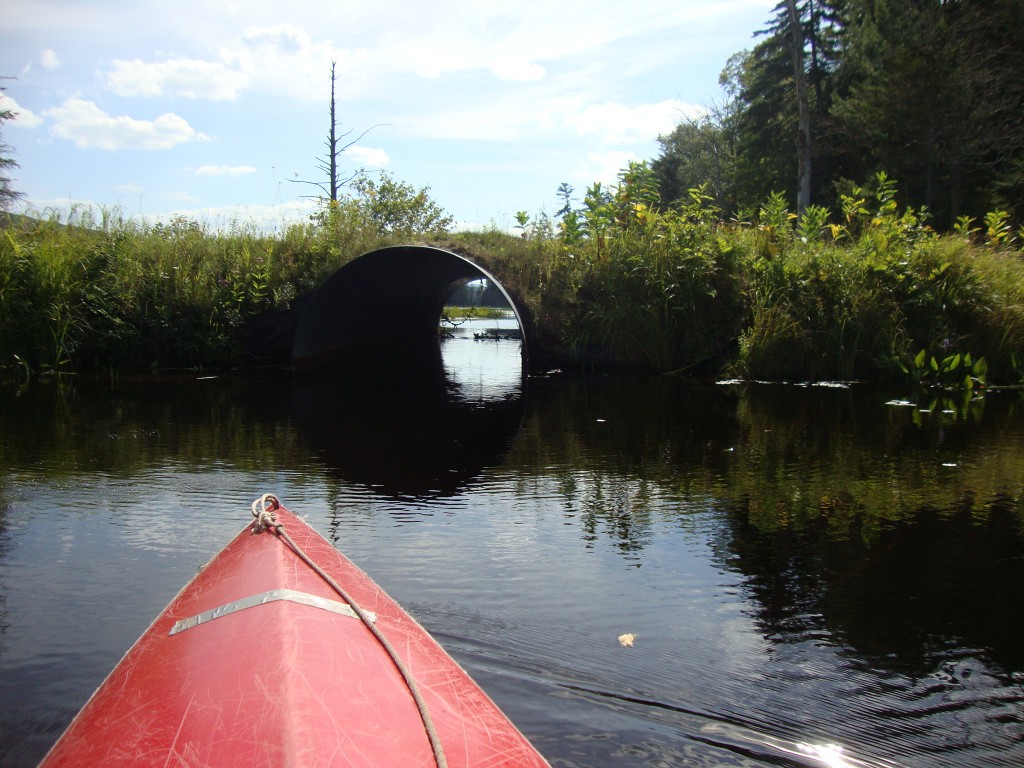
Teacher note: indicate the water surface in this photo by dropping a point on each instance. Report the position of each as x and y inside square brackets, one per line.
[814, 576]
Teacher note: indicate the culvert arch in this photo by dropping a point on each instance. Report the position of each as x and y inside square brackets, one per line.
[385, 303]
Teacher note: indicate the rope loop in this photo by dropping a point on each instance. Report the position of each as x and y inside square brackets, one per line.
[263, 510]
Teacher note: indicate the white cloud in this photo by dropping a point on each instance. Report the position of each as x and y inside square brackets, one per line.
[189, 78]
[612, 123]
[23, 118]
[368, 156]
[279, 58]
[48, 58]
[224, 170]
[516, 69]
[87, 125]
[179, 197]
[266, 218]
[512, 117]
[284, 59]
[603, 167]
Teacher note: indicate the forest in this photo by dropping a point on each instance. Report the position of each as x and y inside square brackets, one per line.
[929, 91]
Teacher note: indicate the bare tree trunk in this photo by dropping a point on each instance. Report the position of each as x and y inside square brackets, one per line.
[332, 142]
[331, 187]
[803, 137]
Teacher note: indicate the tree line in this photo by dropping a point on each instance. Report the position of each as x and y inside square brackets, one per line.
[929, 91]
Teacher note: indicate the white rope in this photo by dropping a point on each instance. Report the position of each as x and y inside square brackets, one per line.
[267, 520]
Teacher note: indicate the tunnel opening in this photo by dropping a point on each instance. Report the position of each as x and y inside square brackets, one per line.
[383, 310]
[481, 343]
[378, 397]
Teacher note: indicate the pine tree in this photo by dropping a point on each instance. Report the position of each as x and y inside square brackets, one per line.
[8, 195]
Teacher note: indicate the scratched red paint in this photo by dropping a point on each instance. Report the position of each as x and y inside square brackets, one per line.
[285, 684]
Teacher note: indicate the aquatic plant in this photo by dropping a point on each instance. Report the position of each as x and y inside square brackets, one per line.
[953, 372]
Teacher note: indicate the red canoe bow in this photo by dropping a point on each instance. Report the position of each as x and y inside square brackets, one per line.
[260, 661]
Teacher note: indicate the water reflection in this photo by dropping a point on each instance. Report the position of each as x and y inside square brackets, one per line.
[483, 359]
[420, 428]
[815, 577]
[832, 499]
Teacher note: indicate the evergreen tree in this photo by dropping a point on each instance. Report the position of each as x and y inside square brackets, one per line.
[930, 92]
[780, 117]
[907, 110]
[993, 51]
[8, 195]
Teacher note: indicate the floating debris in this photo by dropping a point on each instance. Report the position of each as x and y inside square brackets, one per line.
[498, 335]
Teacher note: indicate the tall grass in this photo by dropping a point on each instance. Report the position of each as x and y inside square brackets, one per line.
[881, 286]
[844, 294]
[88, 292]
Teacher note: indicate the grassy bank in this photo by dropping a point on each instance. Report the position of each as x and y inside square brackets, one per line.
[856, 293]
[88, 293]
[850, 294]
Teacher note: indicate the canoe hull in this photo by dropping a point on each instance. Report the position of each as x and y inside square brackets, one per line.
[280, 673]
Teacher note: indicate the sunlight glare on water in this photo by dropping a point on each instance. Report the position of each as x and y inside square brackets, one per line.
[481, 361]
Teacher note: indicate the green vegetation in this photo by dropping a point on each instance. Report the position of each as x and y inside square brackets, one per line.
[834, 90]
[869, 291]
[854, 293]
[8, 195]
[482, 313]
[695, 263]
[106, 292]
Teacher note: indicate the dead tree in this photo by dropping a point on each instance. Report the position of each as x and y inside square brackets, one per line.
[328, 164]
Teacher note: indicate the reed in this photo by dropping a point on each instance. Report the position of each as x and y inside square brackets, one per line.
[87, 292]
[852, 294]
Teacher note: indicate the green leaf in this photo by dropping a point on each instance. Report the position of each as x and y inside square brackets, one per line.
[981, 371]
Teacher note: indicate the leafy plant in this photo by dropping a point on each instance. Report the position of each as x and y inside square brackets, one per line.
[775, 220]
[952, 372]
[398, 208]
[964, 226]
[997, 228]
[812, 223]
[572, 228]
[637, 194]
[522, 223]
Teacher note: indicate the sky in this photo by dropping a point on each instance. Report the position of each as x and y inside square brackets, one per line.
[219, 111]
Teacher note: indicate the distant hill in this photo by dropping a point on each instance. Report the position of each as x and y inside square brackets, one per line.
[17, 221]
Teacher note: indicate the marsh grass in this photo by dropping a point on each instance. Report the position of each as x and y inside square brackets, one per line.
[479, 313]
[857, 304]
[671, 290]
[87, 292]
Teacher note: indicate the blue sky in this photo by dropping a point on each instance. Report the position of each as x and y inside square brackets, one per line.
[213, 109]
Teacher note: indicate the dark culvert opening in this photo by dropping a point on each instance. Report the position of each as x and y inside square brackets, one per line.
[384, 309]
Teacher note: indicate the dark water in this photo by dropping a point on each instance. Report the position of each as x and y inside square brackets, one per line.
[814, 576]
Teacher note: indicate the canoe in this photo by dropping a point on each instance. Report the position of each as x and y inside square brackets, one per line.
[282, 652]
